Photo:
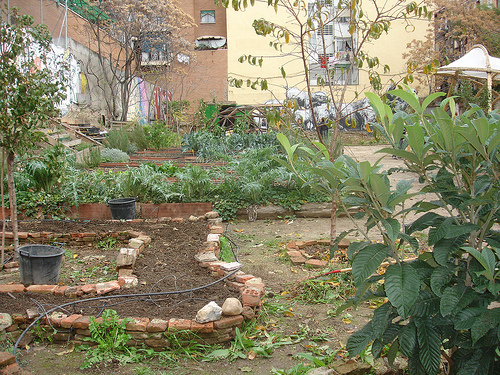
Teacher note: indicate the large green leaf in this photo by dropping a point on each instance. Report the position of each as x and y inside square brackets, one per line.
[487, 259]
[367, 261]
[392, 227]
[465, 319]
[489, 319]
[359, 340]
[429, 344]
[439, 231]
[425, 221]
[440, 277]
[402, 286]
[427, 304]
[445, 247]
[408, 339]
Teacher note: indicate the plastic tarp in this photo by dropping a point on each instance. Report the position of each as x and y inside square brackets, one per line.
[474, 64]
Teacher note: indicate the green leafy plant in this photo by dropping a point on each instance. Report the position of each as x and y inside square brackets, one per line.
[107, 244]
[226, 253]
[118, 139]
[113, 155]
[92, 159]
[111, 337]
[440, 301]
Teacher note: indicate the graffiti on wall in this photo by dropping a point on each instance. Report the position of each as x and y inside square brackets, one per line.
[355, 116]
[57, 58]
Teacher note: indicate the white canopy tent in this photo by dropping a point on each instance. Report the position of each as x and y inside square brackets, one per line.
[475, 64]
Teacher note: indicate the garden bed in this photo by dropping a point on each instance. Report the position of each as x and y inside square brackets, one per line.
[174, 276]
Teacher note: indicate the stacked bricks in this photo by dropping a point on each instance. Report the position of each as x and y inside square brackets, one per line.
[297, 255]
[8, 365]
[153, 333]
[251, 288]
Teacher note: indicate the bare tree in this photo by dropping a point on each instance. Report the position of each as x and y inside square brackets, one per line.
[132, 39]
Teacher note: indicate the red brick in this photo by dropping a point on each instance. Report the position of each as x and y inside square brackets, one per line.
[9, 235]
[12, 288]
[179, 324]
[56, 318]
[103, 288]
[294, 253]
[88, 288]
[71, 292]
[12, 369]
[311, 242]
[138, 324]
[316, 263]
[157, 325]
[68, 322]
[300, 244]
[233, 285]
[45, 234]
[228, 322]
[76, 235]
[298, 260]
[6, 359]
[291, 246]
[324, 242]
[35, 235]
[81, 323]
[41, 288]
[12, 328]
[89, 234]
[124, 272]
[134, 234]
[18, 318]
[177, 220]
[202, 327]
[243, 278]
[217, 229]
[22, 235]
[60, 290]
[250, 297]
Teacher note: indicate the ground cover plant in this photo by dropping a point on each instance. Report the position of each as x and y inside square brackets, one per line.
[441, 302]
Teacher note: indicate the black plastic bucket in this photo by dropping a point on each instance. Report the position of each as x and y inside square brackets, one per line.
[40, 264]
[122, 208]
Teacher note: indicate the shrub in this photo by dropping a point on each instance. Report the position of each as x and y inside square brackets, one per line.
[113, 155]
[118, 139]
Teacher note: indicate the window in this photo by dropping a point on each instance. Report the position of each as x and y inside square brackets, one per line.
[207, 16]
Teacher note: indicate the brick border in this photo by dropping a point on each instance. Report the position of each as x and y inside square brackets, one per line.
[153, 333]
[298, 256]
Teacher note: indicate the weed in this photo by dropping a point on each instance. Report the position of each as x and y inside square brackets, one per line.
[226, 252]
[111, 338]
[107, 244]
[334, 290]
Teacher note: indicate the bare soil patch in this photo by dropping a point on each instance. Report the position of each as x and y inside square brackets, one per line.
[166, 265]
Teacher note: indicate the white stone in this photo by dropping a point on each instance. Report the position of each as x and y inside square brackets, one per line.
[213, 237]
[193, 218]
[321, 371]
[135, 243]
[209, 313]
[212, 215]
[232, 306]
[206, 256]
[5, 321]
[230, 266]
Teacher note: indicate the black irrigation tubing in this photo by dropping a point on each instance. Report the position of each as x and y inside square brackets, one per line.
[136, 295]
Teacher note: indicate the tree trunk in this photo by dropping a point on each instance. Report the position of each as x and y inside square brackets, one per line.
[12, 197]
[333, 219]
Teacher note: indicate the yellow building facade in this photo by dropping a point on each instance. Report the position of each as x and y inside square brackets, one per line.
[242, 40]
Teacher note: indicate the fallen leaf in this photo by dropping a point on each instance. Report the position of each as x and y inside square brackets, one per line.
[245, 369]
[262, 328]
[251, 354]
[346, 321]
[238, 230]
[70, 349]
[289, 313]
